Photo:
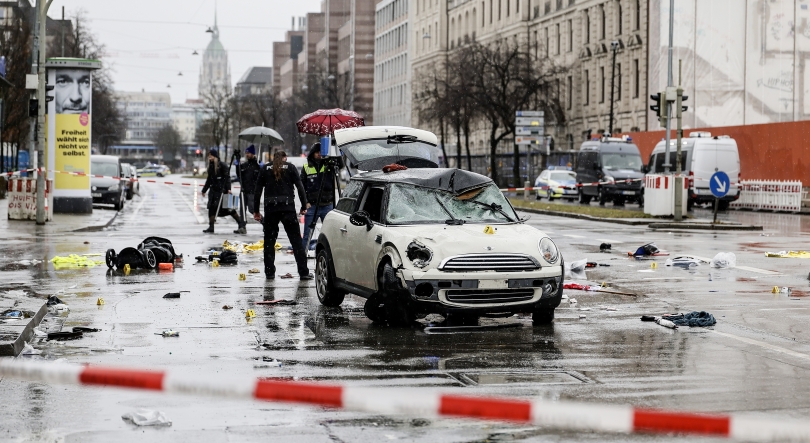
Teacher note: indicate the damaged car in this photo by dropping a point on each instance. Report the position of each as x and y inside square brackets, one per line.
[415, 239]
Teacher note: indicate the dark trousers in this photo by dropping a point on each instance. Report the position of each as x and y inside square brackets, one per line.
[213, 208]
[289, 220]
[249, 203]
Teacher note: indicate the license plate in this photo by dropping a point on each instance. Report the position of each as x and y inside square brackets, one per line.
[96, 194]
[628, 192]
[493, 284]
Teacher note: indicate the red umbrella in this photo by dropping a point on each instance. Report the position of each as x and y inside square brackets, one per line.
[326, 121]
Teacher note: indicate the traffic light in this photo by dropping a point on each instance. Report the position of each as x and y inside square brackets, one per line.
[48, 98]
[683, 99]
[198, 153]
[660, 107]
[33, 108]
[657, 106]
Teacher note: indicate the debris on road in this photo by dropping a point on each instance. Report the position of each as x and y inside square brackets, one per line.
[287, 275]
[239, 247]
[84, 329]
[165, 266]
[226, 307]
[169, 333]
[250, 313]
[29, 350]
[692, 319]
[172, 295]
[254, 271]
[149, 254]
[724, 260]
[648, 250]
[788, 254]
[683, 262]
[666, 323]
[100, 301]
[74, 261]
[16, 314]
[64, 335]
[605, 247]
[277, 302]
[576, 269]
[146, 417]
[242, 276]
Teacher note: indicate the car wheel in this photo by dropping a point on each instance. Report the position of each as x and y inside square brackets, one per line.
[398, 310]
[543, 316]
[328, 295]
[130, 194]
[159, 174]
[118, 206]
[111, 258]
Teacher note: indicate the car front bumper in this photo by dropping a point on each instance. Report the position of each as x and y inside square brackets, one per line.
[629, 190]
[435, 291]
[106, 197]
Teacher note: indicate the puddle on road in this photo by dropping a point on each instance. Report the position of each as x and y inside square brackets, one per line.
[535, 378]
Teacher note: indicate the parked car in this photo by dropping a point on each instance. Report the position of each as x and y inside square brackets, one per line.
[428, 239]
[155, 171]
[108, 190]
[615, 165]
[554, 183]
[131, 174]
[701, 156]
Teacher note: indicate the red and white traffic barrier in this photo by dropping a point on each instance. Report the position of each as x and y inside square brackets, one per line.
[561, 415]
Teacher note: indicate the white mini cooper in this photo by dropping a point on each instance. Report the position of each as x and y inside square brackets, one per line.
[429, 240]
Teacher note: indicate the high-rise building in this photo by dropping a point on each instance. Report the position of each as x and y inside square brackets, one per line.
[392, 76]
[256, 80]
[215, 72]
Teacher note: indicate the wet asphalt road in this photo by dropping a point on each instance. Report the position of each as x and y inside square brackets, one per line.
[756, 359]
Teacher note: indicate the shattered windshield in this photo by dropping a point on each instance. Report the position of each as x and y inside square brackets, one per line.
[409, 204]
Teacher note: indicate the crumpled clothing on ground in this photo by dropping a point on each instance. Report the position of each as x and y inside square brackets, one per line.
[241, 248]
[694, 318]
[74, 261]
[788, 254]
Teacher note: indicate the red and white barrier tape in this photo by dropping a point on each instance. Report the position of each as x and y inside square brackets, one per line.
[561, 415]
[578, 185]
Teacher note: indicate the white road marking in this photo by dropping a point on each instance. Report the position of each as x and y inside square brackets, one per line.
[573, 236]
[200, 219]
[744, 268]
[763, 345]
[138, 209]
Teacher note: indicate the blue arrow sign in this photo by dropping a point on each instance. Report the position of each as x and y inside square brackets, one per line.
[719, 184]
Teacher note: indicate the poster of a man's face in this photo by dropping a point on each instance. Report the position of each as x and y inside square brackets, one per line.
[72, 91]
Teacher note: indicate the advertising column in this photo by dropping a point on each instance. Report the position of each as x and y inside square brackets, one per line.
[69, 129]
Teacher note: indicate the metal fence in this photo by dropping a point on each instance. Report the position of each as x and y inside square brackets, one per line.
[770, 195]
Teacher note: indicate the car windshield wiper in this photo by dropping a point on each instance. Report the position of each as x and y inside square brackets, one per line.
[452, 220]
[494, 207]
[397, 139]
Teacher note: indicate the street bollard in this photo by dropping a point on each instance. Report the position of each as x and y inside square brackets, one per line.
[526, 190]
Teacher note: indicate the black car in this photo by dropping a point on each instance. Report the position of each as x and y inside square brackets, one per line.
[610, 169]
[107, 184]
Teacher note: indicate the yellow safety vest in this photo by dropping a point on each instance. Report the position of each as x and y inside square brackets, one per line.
[309, 170]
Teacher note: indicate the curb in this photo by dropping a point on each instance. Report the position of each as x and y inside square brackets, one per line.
[619, 221]
[705, 227]
[13, 349]
[575, 416]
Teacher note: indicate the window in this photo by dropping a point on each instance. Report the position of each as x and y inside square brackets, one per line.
[482, 14]
[587, 88]
[536, 45]
[547, 9]
[570, 87]
[638, 15]
[603, 19]
[618, 81]
[587, 27]
[636, 78]
[618, 18]
[602, 81]
[490, 11]
[559, 4]
[570, 35]
[508, 6]
[546, 49]
[500, 7]
[373, 202]
[559, 38]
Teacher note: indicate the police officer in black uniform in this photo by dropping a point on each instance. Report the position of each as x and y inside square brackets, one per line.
[278, 181]
[250, 170]
[219, 182]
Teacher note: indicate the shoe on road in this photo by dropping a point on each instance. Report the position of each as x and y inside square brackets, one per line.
[210, 230]
[240, 231]
[308, 277]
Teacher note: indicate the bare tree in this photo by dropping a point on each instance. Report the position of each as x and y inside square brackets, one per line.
[219, 103]
[169, 141]
[15, 39]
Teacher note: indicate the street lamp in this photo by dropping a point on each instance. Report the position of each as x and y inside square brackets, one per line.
[614, 46]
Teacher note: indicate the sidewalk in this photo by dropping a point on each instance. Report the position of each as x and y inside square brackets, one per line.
[98, 220]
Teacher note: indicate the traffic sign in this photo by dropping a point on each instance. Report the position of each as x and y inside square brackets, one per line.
[529, 140]
[719, 184]
[529, 113]
[530, 130]
[529, 121]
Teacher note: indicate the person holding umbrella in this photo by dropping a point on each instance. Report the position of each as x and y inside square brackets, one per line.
[279, 180]
[219, 182]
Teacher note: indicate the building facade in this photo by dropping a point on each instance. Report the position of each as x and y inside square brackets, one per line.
[215, 72]
[257, 80]
[146, 113]
[392, 79]
[187, 118]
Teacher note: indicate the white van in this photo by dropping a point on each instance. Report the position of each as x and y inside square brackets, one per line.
[701, 156]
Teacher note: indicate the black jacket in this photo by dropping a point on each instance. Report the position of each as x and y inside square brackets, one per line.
[312, 177]
[220, 182]
[250, 170]
[279, 195]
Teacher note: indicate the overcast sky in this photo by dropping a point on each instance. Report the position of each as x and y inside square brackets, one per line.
[149, 42]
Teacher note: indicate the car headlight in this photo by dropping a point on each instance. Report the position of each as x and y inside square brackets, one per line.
[113, 187]
[548, 250]
[608, 179]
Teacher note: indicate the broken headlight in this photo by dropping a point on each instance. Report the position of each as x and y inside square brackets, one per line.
[419, 254]
[548, 250]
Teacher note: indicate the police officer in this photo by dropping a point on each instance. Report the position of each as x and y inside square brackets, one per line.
[250, 170]
[219, 182]
[278, 181]
[312, 174]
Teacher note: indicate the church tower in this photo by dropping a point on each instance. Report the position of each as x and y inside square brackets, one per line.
[215, 70]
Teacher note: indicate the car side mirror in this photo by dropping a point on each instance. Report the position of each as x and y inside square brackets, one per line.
[645, 169]
[361, 218]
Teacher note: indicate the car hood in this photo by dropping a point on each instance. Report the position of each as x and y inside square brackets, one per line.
[450, 240]
[624, 174]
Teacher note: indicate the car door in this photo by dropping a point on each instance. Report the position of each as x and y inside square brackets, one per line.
[542, 183]
[364, 249]
[336, 228]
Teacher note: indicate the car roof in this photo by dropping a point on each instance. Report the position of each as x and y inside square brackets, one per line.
[349, 135]
[446, 179]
